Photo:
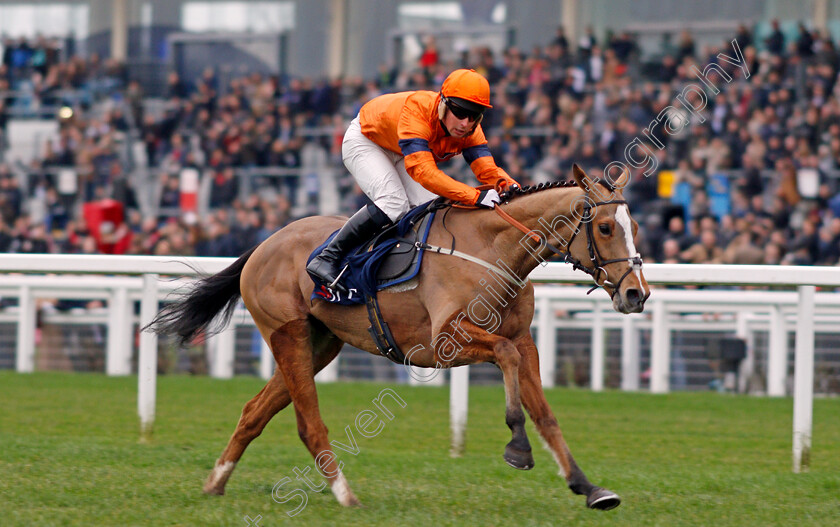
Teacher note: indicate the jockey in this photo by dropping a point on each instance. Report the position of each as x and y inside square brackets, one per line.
[392, 149]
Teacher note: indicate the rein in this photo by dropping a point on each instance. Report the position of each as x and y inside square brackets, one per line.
[595, 258]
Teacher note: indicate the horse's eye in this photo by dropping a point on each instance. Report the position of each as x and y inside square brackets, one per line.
[604, 228]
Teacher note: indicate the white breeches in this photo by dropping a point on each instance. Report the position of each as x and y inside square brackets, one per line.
[381, 174]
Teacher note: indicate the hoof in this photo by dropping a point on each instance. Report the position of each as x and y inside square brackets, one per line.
[602, 499]
[217, 479]
[213, 491]
[519, 459]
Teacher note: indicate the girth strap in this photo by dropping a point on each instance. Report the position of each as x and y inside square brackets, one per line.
[381, 333]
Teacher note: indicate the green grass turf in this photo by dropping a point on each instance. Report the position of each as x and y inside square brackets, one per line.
[69, 455]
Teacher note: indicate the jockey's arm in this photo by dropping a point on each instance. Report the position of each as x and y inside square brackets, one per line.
[477, 155]
[484, 167]
[420, 165]
[415, 131]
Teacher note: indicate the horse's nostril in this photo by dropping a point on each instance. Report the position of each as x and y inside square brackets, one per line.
[633, 296]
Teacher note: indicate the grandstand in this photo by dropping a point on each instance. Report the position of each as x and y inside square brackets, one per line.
[213, 123]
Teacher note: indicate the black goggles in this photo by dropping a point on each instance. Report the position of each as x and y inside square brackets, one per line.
[462, 113]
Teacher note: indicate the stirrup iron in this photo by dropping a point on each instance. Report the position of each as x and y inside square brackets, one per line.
[334, 283]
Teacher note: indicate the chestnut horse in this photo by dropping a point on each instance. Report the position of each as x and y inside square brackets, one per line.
[587, 223]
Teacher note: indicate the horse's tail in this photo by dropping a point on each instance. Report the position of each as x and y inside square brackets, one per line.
[194, 312]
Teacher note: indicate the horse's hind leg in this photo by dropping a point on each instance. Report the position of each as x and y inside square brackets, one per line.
[292, 347]
[534, 401]
[257, 413]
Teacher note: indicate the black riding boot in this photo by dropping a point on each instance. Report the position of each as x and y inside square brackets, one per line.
[362, 226]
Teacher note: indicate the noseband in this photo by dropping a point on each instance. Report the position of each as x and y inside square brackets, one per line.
[598, 263]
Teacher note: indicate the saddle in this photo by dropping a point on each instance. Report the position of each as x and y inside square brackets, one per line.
[391, 258]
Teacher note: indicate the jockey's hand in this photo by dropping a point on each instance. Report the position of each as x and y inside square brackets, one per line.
[506, 184]
[509, 190]
[488, 198]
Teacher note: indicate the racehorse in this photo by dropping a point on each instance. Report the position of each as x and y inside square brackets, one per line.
[441, 318]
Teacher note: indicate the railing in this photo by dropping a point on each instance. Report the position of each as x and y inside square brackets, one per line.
[742, 314]
[122, 291]
[736, 313]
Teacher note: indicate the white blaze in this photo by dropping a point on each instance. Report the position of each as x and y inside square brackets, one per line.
[622, 217]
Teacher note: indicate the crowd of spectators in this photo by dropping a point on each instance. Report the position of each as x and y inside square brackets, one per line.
[752, 178]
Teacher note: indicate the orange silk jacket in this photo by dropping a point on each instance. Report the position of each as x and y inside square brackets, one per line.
[407, 123]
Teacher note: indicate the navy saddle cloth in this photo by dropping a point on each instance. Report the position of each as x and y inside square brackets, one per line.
[394, 258]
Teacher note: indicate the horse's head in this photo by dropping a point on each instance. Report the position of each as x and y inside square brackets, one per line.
[603, 243]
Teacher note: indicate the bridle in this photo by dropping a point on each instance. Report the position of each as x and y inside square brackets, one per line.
[598, 264]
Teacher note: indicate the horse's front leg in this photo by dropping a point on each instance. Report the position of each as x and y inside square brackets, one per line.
[534, 401]
[486, 347]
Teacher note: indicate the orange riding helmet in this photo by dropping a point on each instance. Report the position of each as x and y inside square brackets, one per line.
[467, 89]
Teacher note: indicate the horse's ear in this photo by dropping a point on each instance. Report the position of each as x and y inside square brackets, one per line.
[582, 179]
[622, 180]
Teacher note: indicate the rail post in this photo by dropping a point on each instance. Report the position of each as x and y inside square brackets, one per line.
[147, 362]
[777, 353]
[803, 380]
[118, 353]
[222, 346]
[25, 353]
[596, 372]
[660, 350]
[629, 354]
[459, 384]
[747, 367]
[546, 335]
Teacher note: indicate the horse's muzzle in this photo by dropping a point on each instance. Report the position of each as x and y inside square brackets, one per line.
[631, 300]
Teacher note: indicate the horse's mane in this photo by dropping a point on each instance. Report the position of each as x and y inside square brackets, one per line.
[530, 189]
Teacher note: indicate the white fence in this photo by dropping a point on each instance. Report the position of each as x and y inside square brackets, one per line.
[751, 311]
[743, 313]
